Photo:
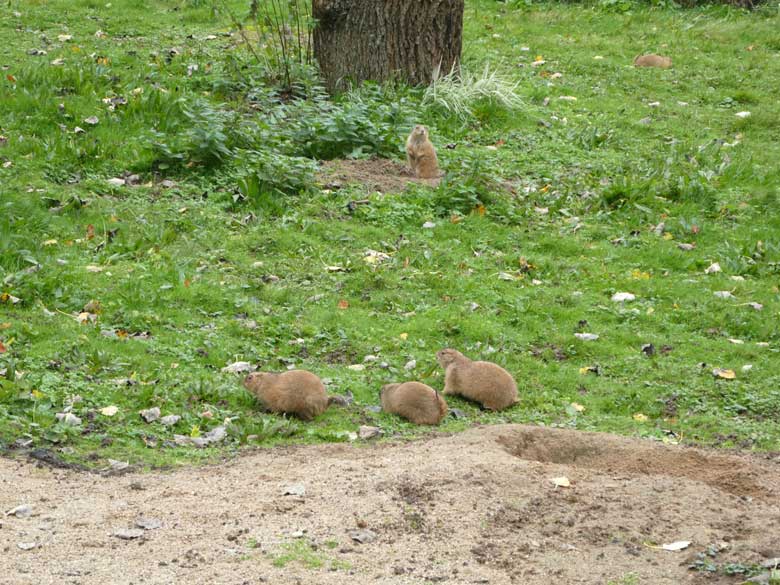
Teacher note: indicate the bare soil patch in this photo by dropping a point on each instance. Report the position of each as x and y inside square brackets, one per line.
[382, 175]
[477, 507]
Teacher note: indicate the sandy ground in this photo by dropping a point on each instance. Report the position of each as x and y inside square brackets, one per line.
[477, 507]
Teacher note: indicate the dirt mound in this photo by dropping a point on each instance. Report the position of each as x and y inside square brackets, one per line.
[592, 451]
[477, 507]
[385, 176]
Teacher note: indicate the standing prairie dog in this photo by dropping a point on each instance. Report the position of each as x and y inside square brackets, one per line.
[421, 154]
[484, 382]
[414, 401]
[653, 61]
[295, 392]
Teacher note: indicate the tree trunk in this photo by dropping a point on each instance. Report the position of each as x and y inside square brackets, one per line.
[379, 40]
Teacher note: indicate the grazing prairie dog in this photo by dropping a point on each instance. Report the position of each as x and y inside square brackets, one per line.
[414, 401]
[421, 154]
[484, 382]
[653, 61]
[295, 392]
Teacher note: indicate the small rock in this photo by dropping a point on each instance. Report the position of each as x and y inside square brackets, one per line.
[742, 115]
[356, 367]
[148, 523]
[410, 365]
[26, 545]
[92, 120]
[116, 181]
[429, 225]
[150, 414]
[128, 533]
[363, 536]
[712, 268]
[723, 294]
[373, 408]
[115, 465]
[170, 420]
[167, 184]
[686, 247]
[367, 432]
[295, 489]
[586, 336]
[756, 306]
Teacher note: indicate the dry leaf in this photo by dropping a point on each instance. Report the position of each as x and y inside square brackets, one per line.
[724, 374]
[109, 411]
[343, 304]
[562, 481]
[2, 348]
[712, 268]
[675, 546]
[639, 417]
[723, 294]
[404, 336]
[586, 336]
[621, 297]
[578, 407]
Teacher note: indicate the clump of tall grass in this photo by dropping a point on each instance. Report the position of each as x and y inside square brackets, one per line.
[458, 91]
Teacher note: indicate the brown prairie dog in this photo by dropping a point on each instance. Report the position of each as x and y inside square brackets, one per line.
[414, 401]
[484, 382]
[421, 154]
[653, 61]
[295, 392]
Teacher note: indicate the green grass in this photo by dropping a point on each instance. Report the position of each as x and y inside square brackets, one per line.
[192, 264]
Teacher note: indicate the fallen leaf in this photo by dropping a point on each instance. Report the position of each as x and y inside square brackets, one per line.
[148, 523]
[724, 294]
[590, 370]
[356, 367]
[756, 306]
[429, 225]
[363, 536]
[22, 511]
[747, 367]
[238, 368]
[68, 419]
[128, 533]
[92, 120]
[404, 336]
[562, 481]
[2, 348]
[675, 546]
[11, 78]
[639, 417]
[109, 410]
[742, 115]
[343, 304]
[567, 98]
[686, 247]
[368, 432]
[64, 38]
[150, 414]
[295, 489]
[93, 268]
[9, 298]
[712, 268]
[578, 407]
[621, 297]
[170, 420]
[410, 365]
[724, 374]
[586, 336]
[116, 182]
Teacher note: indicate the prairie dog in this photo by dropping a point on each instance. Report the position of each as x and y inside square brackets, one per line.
[484, 382]
[414, 401]
[295, 392]
[421, 154]
[653, 61]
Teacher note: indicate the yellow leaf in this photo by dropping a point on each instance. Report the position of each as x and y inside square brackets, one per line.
[668, 236]
[639, 417]
[37, 394]
[4, 326]
[639, 275]
[724, 374]
[404, 336]
[50, 242]
[578, 407]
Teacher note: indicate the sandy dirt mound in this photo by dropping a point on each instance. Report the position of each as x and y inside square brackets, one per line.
[477, 507]
[385, 176]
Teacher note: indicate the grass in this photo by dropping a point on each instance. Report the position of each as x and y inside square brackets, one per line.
[229, 261]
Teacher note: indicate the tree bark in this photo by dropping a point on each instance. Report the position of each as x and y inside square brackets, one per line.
[380, 40]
